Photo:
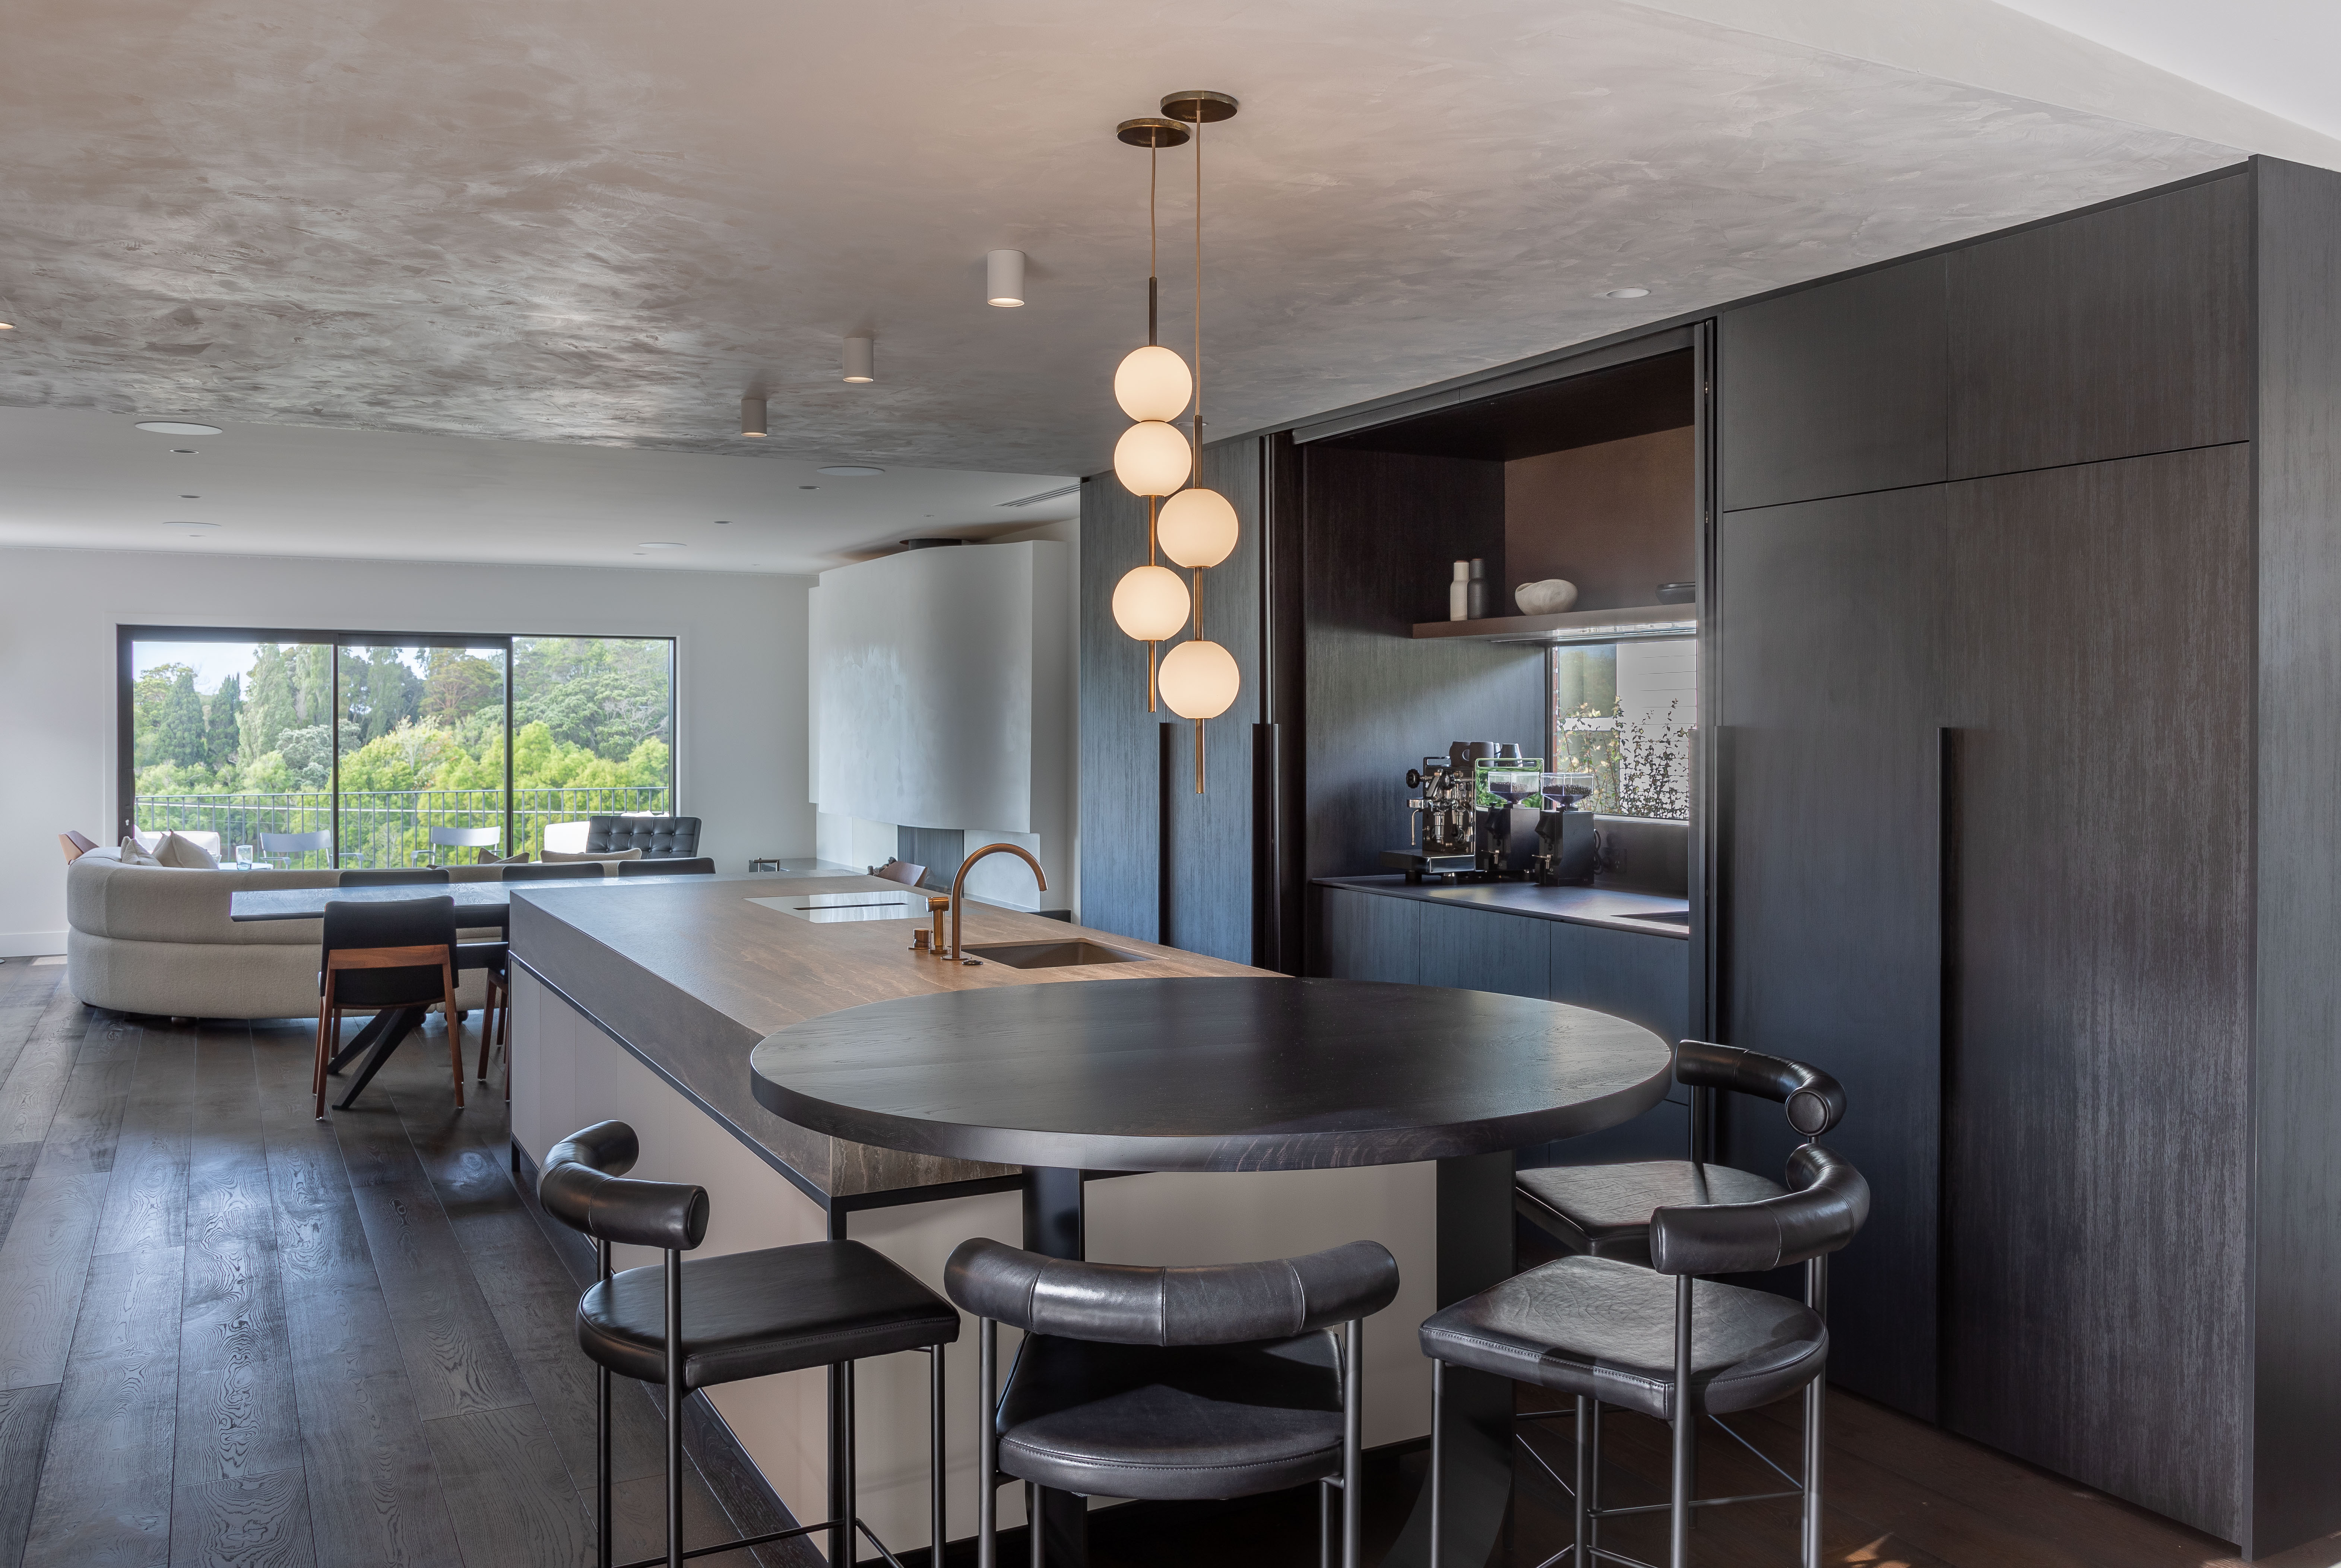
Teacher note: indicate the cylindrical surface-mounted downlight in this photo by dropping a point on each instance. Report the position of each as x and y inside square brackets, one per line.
[751, 416]
[1003, 278]
[859, 357]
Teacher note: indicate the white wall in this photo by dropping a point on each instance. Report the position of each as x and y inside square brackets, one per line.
[740, 666]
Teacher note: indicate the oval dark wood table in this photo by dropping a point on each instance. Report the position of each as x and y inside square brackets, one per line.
[1238, 1073]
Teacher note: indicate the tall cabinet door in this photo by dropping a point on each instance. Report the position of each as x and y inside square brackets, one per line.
[2096, 1134]
[1831, 637]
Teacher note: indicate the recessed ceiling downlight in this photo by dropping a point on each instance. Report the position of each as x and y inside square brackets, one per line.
[1625, 293]
[851, 471]
[176, 427]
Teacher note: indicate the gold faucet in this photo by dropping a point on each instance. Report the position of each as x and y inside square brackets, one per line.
[960, 881]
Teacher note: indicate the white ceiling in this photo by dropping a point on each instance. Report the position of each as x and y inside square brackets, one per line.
[2277, 56]
[82, 479]
[592, 227]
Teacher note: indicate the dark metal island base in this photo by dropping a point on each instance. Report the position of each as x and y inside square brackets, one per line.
[647, 1009]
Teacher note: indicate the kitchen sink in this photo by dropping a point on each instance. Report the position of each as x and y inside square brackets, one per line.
[1050, 954]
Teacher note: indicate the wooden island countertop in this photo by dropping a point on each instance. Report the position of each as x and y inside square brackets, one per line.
[688, 976]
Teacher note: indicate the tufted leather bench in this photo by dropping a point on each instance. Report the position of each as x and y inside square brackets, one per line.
[658, 837]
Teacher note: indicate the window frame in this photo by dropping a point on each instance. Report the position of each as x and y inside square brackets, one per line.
[126, 679]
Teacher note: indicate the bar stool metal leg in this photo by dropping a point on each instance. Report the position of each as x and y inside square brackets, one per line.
[936, 1522]
[1580, 1500]
[1686, 1434]
[987, 1436]
[1438, 1460]
[601, 1434]
[673, 1409]
[1816, 1397]
[1353, 1480]
[1325, 1519]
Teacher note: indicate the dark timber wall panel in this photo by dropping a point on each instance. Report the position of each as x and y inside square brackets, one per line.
[1831, 650]
[2117, 333]
[1848, 392]
[2297, 1385]
[2097, 1134]
[1208, 859]
[1382, 530]
[1120, 803]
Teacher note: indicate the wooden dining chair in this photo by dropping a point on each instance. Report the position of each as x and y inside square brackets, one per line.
[380, 956]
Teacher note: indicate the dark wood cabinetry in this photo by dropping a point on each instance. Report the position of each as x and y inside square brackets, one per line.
[1845, 391]
[2025, 823]
[2112, 333]
[1829, 932]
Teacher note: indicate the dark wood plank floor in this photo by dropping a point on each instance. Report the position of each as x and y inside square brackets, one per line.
[231, 1335]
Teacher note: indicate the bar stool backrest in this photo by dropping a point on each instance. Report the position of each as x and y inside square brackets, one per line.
[419, 924]
[1815, 1102]
[584, 1186]
[1827, 1201]
[396, 876]
[1222, 1303]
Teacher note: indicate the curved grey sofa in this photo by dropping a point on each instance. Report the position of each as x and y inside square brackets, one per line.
[158, 939]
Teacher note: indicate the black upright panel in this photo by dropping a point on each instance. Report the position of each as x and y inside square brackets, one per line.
[1120, 803]
[1832, 619]
[1382, 530]
[2296, 998]
[1850, 391]
[1206, 855]
[2114, 334]
[2097, 1140]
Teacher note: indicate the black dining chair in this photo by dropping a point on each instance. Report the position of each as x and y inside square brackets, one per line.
[395, 876]
[1609, 1332]
[495, 958]
[687, 1325]
[1181, 1384]
[376, 957]
[1604, 1211]
[694, 865]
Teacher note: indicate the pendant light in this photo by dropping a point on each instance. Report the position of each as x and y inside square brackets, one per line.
[1198, 526]
[1152, 458]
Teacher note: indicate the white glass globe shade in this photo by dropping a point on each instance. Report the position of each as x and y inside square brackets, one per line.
[1153, 383]
[1197, 527]
[1152, 458]
[1200, 680]
[1150, 603]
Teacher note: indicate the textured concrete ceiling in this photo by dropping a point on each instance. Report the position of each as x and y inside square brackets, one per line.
[600, 223]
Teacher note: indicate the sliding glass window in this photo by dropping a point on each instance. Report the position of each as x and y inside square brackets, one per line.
[325, 748]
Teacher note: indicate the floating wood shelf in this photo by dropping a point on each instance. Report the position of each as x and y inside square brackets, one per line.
[1572, 625]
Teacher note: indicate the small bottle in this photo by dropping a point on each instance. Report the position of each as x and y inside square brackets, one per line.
[1458, 593]
[1476, 602]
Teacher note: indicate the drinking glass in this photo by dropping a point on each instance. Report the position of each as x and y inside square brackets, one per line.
[243, 858]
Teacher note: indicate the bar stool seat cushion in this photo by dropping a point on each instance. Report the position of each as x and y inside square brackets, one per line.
[1604, 1211]
[1182, 1422]
[1606, 1328]
[748, 1314]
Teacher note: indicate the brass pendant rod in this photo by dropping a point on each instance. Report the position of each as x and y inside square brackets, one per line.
[1198, 477]
[1153, 164]
[1151, 647]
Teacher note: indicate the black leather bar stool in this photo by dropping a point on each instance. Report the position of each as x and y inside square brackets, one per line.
[751, 1315]
[1604, 1211]
[1174, 1383]
[1610, 1331]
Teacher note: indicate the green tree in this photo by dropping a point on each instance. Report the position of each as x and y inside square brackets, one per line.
[270, 705]
[222, 737]
[179, 737]
[379, 692]
[313, 683]
[457, 682]
[148, 698]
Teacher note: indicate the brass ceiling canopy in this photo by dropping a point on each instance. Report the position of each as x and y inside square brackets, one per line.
[1197, 107]
[1151, 131]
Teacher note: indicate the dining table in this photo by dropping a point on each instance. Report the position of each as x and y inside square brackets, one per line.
[477, 904]
[1086, 1077]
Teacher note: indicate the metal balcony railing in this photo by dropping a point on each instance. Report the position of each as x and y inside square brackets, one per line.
[389, 827]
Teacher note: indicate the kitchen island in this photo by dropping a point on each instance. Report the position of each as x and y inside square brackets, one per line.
[644, 1003]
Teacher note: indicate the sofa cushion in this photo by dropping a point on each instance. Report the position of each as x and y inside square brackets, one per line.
[132, 852]
[178, 849]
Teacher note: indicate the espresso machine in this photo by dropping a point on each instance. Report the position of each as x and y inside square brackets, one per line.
[1481, 808]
